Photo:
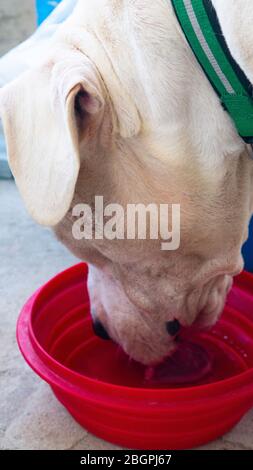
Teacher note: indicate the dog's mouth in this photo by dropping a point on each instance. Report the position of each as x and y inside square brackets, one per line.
[190, 363]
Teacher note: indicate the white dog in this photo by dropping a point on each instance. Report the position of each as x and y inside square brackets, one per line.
[122, 109]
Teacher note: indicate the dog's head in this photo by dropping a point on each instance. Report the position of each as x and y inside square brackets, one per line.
[91, 123]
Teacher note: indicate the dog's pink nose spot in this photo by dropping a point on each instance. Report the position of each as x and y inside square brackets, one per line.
[188, 365]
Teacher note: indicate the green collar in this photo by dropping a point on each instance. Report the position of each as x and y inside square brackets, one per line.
[202, 30]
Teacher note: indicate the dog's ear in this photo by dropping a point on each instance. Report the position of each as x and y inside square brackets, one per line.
[45, 113]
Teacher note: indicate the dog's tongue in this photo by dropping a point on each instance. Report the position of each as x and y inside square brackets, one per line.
[189, 364]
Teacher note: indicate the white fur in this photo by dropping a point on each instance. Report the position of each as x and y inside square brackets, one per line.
[159, 135]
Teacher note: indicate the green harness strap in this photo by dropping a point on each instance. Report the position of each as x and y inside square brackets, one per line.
[201, 27]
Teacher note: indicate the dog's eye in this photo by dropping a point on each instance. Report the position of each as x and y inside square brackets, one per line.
[173, 327]
[86, 104]
[80, 101]
[85, 107]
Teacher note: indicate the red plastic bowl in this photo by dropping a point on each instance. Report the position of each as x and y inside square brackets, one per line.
[108, 395]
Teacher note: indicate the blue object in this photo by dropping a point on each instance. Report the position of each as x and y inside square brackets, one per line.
[5, 172]
[44, 8]
[248, 249]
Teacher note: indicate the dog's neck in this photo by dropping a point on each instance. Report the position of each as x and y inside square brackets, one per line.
[236, 24]
[202, 30]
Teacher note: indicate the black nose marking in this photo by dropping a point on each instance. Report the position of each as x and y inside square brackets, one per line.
[173, 327]
[100, 330]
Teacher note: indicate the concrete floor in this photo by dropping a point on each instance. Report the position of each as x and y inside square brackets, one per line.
[17, 22]
[30, 416]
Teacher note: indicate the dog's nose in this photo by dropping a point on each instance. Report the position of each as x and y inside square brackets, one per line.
[173, 327]
[100, 330]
